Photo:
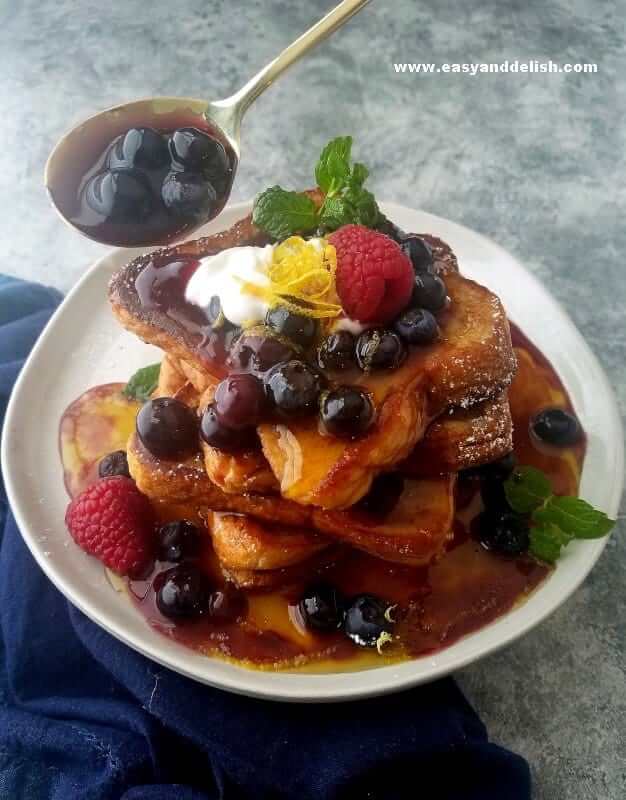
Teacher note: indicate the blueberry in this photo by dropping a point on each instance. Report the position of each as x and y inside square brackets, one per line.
[346, 412]
[504, 532]
[429, 292]
[296, 327]
[492, 477]
[379, 349]
[365, 620]
[195, 150]
[294, 388]
[259, 352]
[417, 326]
[240, 401]
[492, 494]
[337, 352]
[217, 434]
[323, 607]
[168, 428]
[178, 541]
[383, 496]
[122, 196]
[227, 605]
[557, 427]
[419, 253]
[114, 463]
[188, 195]
[182, 592]
[139, 147]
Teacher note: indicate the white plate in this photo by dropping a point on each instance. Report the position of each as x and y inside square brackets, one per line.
[83, 345]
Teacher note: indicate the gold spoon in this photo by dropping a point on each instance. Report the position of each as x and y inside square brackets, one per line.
[76, 152]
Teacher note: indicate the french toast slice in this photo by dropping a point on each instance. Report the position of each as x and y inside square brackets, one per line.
[462, 438]
[164, 330]
[242, 542]
[266, 579]
[472, 361]
[458, 439]
[414, 533]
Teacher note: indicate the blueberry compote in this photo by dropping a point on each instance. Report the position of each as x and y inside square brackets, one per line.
[147, 180]
[335, 615]
[161, 287]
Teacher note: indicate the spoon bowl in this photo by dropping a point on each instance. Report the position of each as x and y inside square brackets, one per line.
[81, 152]
[76, 153]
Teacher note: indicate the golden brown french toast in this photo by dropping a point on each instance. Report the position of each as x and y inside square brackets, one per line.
[414, 533]
[458, 439]
[462, 438]
[242, 542]
[267, 579]
[472, 361]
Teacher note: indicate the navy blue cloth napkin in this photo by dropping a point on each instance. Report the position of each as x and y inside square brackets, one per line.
[83, 716]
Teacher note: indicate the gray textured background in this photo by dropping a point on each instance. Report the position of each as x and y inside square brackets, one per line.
[535, 161]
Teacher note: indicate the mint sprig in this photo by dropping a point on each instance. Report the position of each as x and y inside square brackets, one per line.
[555, 521]
[332, 171]
[142, 383]
[282, 213]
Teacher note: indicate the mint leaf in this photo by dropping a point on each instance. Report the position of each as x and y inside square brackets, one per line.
[142, 383]
[555, 521]
[282, 214]
[333, 168]
[527, 489]
[366, 211]
[574, 517]
[546, 542]
[358, 175]
[335, 212]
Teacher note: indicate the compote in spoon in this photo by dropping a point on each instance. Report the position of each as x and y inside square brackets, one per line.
[151, 171]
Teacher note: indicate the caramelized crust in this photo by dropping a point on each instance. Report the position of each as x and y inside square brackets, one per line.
[414, 533]
[242, 542]
[463, 438]
[267, 579]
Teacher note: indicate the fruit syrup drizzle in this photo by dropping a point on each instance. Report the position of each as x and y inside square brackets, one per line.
[464, 591]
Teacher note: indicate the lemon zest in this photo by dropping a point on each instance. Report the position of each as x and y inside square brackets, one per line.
[383, 639]
[301, 278]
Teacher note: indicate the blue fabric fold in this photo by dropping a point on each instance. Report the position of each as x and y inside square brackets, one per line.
[83, 716]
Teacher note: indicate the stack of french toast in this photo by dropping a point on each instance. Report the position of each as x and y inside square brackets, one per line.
[286, 509]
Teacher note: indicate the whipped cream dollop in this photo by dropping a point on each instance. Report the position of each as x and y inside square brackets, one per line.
[224, 274]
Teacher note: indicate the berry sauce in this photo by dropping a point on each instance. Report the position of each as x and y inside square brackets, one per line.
[121, 194]
[161, 286]
[438, 604]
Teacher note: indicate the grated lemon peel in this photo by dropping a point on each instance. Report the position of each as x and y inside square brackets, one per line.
[301, 278]
[383, 639]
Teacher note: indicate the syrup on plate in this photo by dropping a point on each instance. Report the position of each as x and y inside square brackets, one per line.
[464, 591]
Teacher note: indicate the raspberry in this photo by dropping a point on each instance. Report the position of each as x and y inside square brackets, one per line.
[114, 522]
[374, 277]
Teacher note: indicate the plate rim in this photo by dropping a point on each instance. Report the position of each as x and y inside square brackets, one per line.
[259, 683]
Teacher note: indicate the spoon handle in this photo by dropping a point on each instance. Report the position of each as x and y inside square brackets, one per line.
[234, 107]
